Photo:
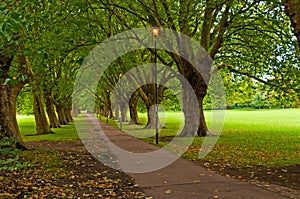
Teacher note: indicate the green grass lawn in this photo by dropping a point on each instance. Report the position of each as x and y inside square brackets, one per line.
[266, 138]
[27, 127]
[261, 137]
[261, 145]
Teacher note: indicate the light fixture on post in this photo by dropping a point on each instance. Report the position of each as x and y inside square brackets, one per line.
[107, 97]
[120, 98]
[155, 33]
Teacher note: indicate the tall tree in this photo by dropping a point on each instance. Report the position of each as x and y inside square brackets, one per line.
[223, 28]
[41, 122]
[292, 9]
[29, 32]
[15, 67]
[10, 88]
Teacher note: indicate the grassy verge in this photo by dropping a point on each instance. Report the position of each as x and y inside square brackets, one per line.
[267, 138]
[27, 126]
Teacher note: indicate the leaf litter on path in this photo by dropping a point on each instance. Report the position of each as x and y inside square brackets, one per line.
[65, 170]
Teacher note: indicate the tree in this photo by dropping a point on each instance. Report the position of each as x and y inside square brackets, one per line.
[133, 103]
[235, 34]
[15, 66]
[9, 92]
[41, 122]
[29, 31]
[292, 9]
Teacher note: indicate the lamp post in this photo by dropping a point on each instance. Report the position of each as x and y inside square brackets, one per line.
[121, 120]
[107, 97]
[155, 32]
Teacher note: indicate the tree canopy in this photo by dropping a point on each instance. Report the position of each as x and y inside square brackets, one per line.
[43, 43]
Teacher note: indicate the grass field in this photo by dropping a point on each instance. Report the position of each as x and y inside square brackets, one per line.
[27, 127]
[256, 146]
[266, 138]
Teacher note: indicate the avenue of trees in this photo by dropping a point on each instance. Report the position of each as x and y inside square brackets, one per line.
[255, 45]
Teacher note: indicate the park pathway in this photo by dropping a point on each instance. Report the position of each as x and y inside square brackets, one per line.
[183, 179]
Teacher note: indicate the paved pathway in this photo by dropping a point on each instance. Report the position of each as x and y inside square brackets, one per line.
[183, 179]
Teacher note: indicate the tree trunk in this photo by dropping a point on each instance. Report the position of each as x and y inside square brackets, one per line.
[117, 112]
[61, 116]
[198, 88]
[51, 112]
[75, 110]
[124, 109]
[191, 112]
[148, 95]
[8, 97]
[8, 120]
[292, 9]
[104, 111]
[134, 119]
[202, 127]
[68, 115]
[42, 126]
[152, 118]
[109, 108]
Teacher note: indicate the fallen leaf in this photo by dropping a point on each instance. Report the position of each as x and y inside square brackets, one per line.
[168, 191]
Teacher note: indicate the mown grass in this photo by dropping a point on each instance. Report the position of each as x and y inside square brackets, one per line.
[27, 127]
[266, 138]
[258, 138]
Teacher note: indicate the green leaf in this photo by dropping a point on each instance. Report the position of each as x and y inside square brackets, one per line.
[7, 80]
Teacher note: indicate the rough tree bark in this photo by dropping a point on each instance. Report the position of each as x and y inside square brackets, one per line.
[8, 96]
[124, 109]
[109, 108]
[292, 9]
[75, 110]
[42, 125]
[8, 121]
[61, 115]
[194, 120]
[151, 115]
[68, 116]
[103, 111]
[147, 94]
[199, 80]
[134, 119]
[51, 112]
[117, 112]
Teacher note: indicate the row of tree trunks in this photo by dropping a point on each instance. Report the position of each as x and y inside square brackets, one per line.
[51, 112]
[75, 110]
[42, 126]
[133, 102]
[68, 114]
[61, 115]
[103, 110]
